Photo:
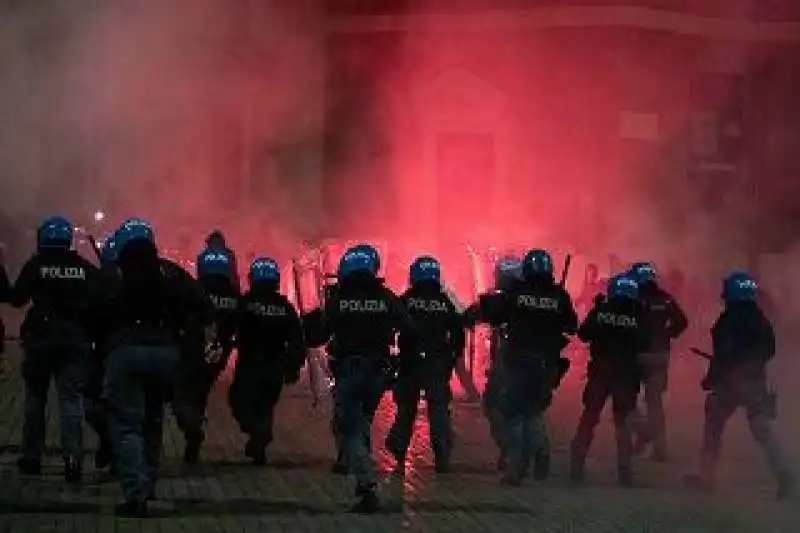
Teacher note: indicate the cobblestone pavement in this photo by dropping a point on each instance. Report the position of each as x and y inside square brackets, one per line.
[296, 492]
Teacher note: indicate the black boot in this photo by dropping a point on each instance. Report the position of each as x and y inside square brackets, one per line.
[511, 478]
[541, 466]
[72, 470]
[194, 440]
[368, 504]
[249, 448]
[577, 472]
[340, 466]
[191, 452]
[102, 457]
[502, 463]
[260, 457]
[441, 465]
[256, 450]
[29, 467]
[705, 481]
[131, 510]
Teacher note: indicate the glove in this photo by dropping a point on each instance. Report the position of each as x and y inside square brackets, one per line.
[213, 353]
[391, 368]
[213, 348]
[333, 364]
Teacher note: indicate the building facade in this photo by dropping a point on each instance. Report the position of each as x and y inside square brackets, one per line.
[539, 99]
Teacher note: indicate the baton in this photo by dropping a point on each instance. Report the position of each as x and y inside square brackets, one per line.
[565, 270]
[94, 245]
[310, 364]
[701, 353]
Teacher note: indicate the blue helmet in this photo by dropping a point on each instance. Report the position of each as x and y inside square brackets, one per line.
[425, 268]
[507, 271]
[55, 232]
[537, 263]
[623, 286]
[739, 287]
[643, 272]
[133, 229]
[212, 261]
[373, 252]
[361, 258]
[264, 269]
[109, 251]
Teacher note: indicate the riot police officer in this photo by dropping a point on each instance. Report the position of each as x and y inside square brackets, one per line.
[743, 343]
[271, 353]
[538, 313]
[665, 321]
[507, 273]
[216, 274]
[427, 364]
[57, 281]
[363, 316]
[141, 314]
[96, 406]
[616, 334]
[216, 241]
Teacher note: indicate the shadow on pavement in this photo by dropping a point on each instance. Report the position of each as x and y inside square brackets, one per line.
[242, 506]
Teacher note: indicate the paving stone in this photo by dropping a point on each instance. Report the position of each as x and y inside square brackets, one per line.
[297, 493]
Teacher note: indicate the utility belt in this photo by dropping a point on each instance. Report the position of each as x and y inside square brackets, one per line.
[616, 364]
[387, 364]
[143, 333]
[544, 345]
[530, 356]
[252, 356]
[432, 351]
[748, 378]
[345, 352]
[49, 325]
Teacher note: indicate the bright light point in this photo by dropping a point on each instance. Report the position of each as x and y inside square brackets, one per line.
[99, 216]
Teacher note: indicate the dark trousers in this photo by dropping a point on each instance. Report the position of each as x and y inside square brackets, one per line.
[65, 363]
[139, 380]
[749, 391]
[528, 391]
[360, 384]
[193, 387]
[253, 396]
[432, 377]
[622, 386]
